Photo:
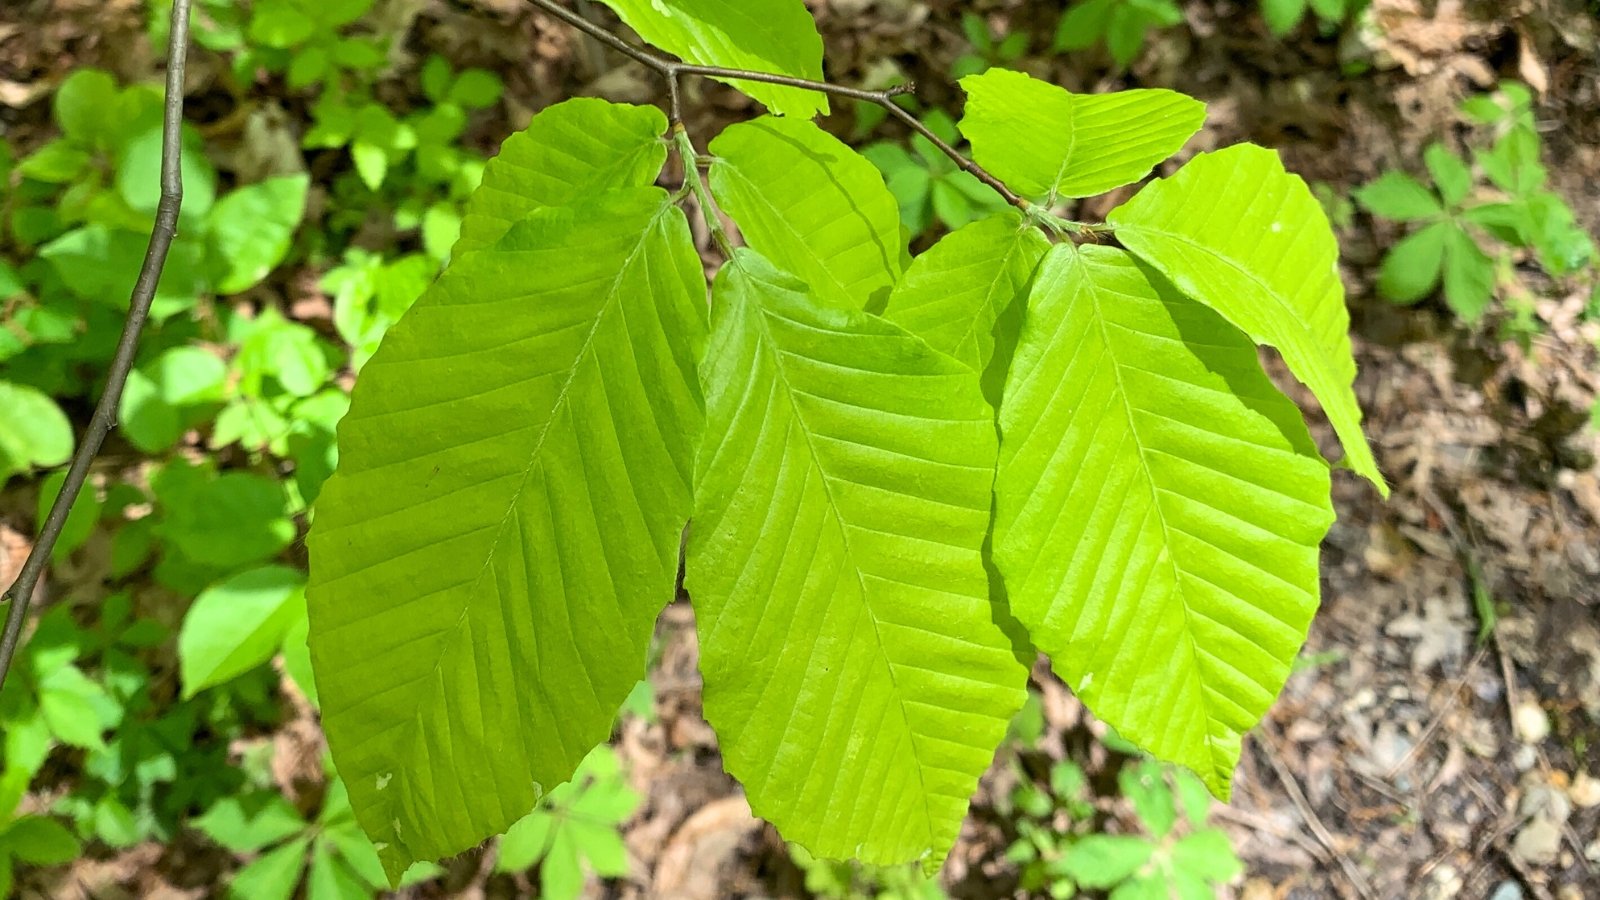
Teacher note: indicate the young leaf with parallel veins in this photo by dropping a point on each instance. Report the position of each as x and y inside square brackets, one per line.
[1158, 509]
[503, 528]
[578, 147]
[853, 673]
[813, 206]
[778, 37]
[1237, 232]
[1046, 142]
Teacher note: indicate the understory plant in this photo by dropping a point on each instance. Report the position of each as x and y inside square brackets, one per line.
[890, 481]
[1471, 220]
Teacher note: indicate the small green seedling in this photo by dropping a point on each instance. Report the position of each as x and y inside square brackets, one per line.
[577, 827]
[988, 49]
[1122, 25]
[1175, 857]
[328, 851]
[1468, 223]
[929, 187]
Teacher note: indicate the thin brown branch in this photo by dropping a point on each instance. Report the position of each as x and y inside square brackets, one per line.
[20, 595]
[673, 71]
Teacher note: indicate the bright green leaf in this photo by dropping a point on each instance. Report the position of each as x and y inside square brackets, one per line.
[1158, 501]
[139, 175]
[1104, 860]
[85, 104]
[573, 149]
[1044, 141]
[273, 876]
[490, 558]
[1410, 272]
[1398, 196]
[1451, 174]
[1469, 278]
[1235, 231]
[954, 294]
[812, 205]
[238, 625]
[841, 503]
[245, 824]
[1208, 854]
[252, 227]
[774, 36]
[40, 841]
[34, 432]
[1283, 15]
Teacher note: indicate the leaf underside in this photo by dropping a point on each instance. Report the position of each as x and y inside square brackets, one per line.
[812, 205]
[1237, 232]
[503, 529]
[853, 673]
[1159, 506]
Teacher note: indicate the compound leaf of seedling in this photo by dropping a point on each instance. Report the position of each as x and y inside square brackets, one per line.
[1237, 232]
[812, 205]
[577, 827]
[582, 146]
[1156, 499]
[274, 875]
[1398, 196]
[250, 822]
[1410, 272]
[1469, 277]
[1106, 860]
[490, 557]
[1044, 141]
[238, 625]
[1451, 174]
[842, 500]
[778, 37]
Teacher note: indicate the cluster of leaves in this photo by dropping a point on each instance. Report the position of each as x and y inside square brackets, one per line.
[1472, 221]
[1060, 853]
[855, 434]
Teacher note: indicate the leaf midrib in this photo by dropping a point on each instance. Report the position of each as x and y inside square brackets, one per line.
[587, 348]
[771, 348]
[1093, 289]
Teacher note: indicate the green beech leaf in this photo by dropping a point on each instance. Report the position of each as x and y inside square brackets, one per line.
[953, 295]
[812, 205]
[1398, 196]
[853, 673]
[1158, 509]
[1469, 278]
[238, 625]
[33, 432]
[1044, 141]
[1411, 270]
[572, 149]
[778, 37]
[503, 528]
[251, 229]
[1235, 231]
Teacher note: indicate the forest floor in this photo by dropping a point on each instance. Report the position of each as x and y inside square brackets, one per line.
[1409, 757]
